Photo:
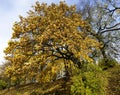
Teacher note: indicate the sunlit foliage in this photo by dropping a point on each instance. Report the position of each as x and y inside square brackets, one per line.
[89, 81]
[49, 34]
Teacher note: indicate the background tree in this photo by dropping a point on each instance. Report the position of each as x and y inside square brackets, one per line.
[48, 33]
[104, 17]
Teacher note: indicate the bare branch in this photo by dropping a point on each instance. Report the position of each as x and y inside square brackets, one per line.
[113, 26]
[107, 30]
[111, 11]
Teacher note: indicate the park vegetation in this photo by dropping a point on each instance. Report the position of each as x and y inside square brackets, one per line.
[59, 49]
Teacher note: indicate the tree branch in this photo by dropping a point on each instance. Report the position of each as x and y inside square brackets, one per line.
[107, 30]
[113, 26]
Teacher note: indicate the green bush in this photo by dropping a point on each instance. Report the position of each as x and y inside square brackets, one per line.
[90, 80]
[107, 63]
[77, 88]
[3, 84]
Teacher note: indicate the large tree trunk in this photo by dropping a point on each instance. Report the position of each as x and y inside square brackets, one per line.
[76, 61]
[103, 53]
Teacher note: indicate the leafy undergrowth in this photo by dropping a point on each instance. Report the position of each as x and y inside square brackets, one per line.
[54, 88]
[114, 81]
[60, 87]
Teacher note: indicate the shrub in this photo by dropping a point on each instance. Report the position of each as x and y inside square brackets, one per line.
[90, 81]
[3, 84]
[107, 63]
[77, 88]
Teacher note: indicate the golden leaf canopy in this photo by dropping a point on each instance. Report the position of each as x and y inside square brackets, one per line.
[49, 33]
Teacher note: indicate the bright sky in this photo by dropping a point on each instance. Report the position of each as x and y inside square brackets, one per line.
[9, 13]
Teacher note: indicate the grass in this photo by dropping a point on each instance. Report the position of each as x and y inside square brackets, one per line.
[21, 90]
[114, 81]
[36, 89]
[58, 87]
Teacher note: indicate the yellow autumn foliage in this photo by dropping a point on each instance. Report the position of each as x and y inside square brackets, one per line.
[48, 33]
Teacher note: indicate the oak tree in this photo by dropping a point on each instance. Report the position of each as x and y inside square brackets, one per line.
[48, 34]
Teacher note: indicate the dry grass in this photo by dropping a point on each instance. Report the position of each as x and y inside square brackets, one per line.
[36, 89]
[114, 81]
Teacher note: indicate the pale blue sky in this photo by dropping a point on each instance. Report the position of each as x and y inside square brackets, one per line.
[9, 12]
